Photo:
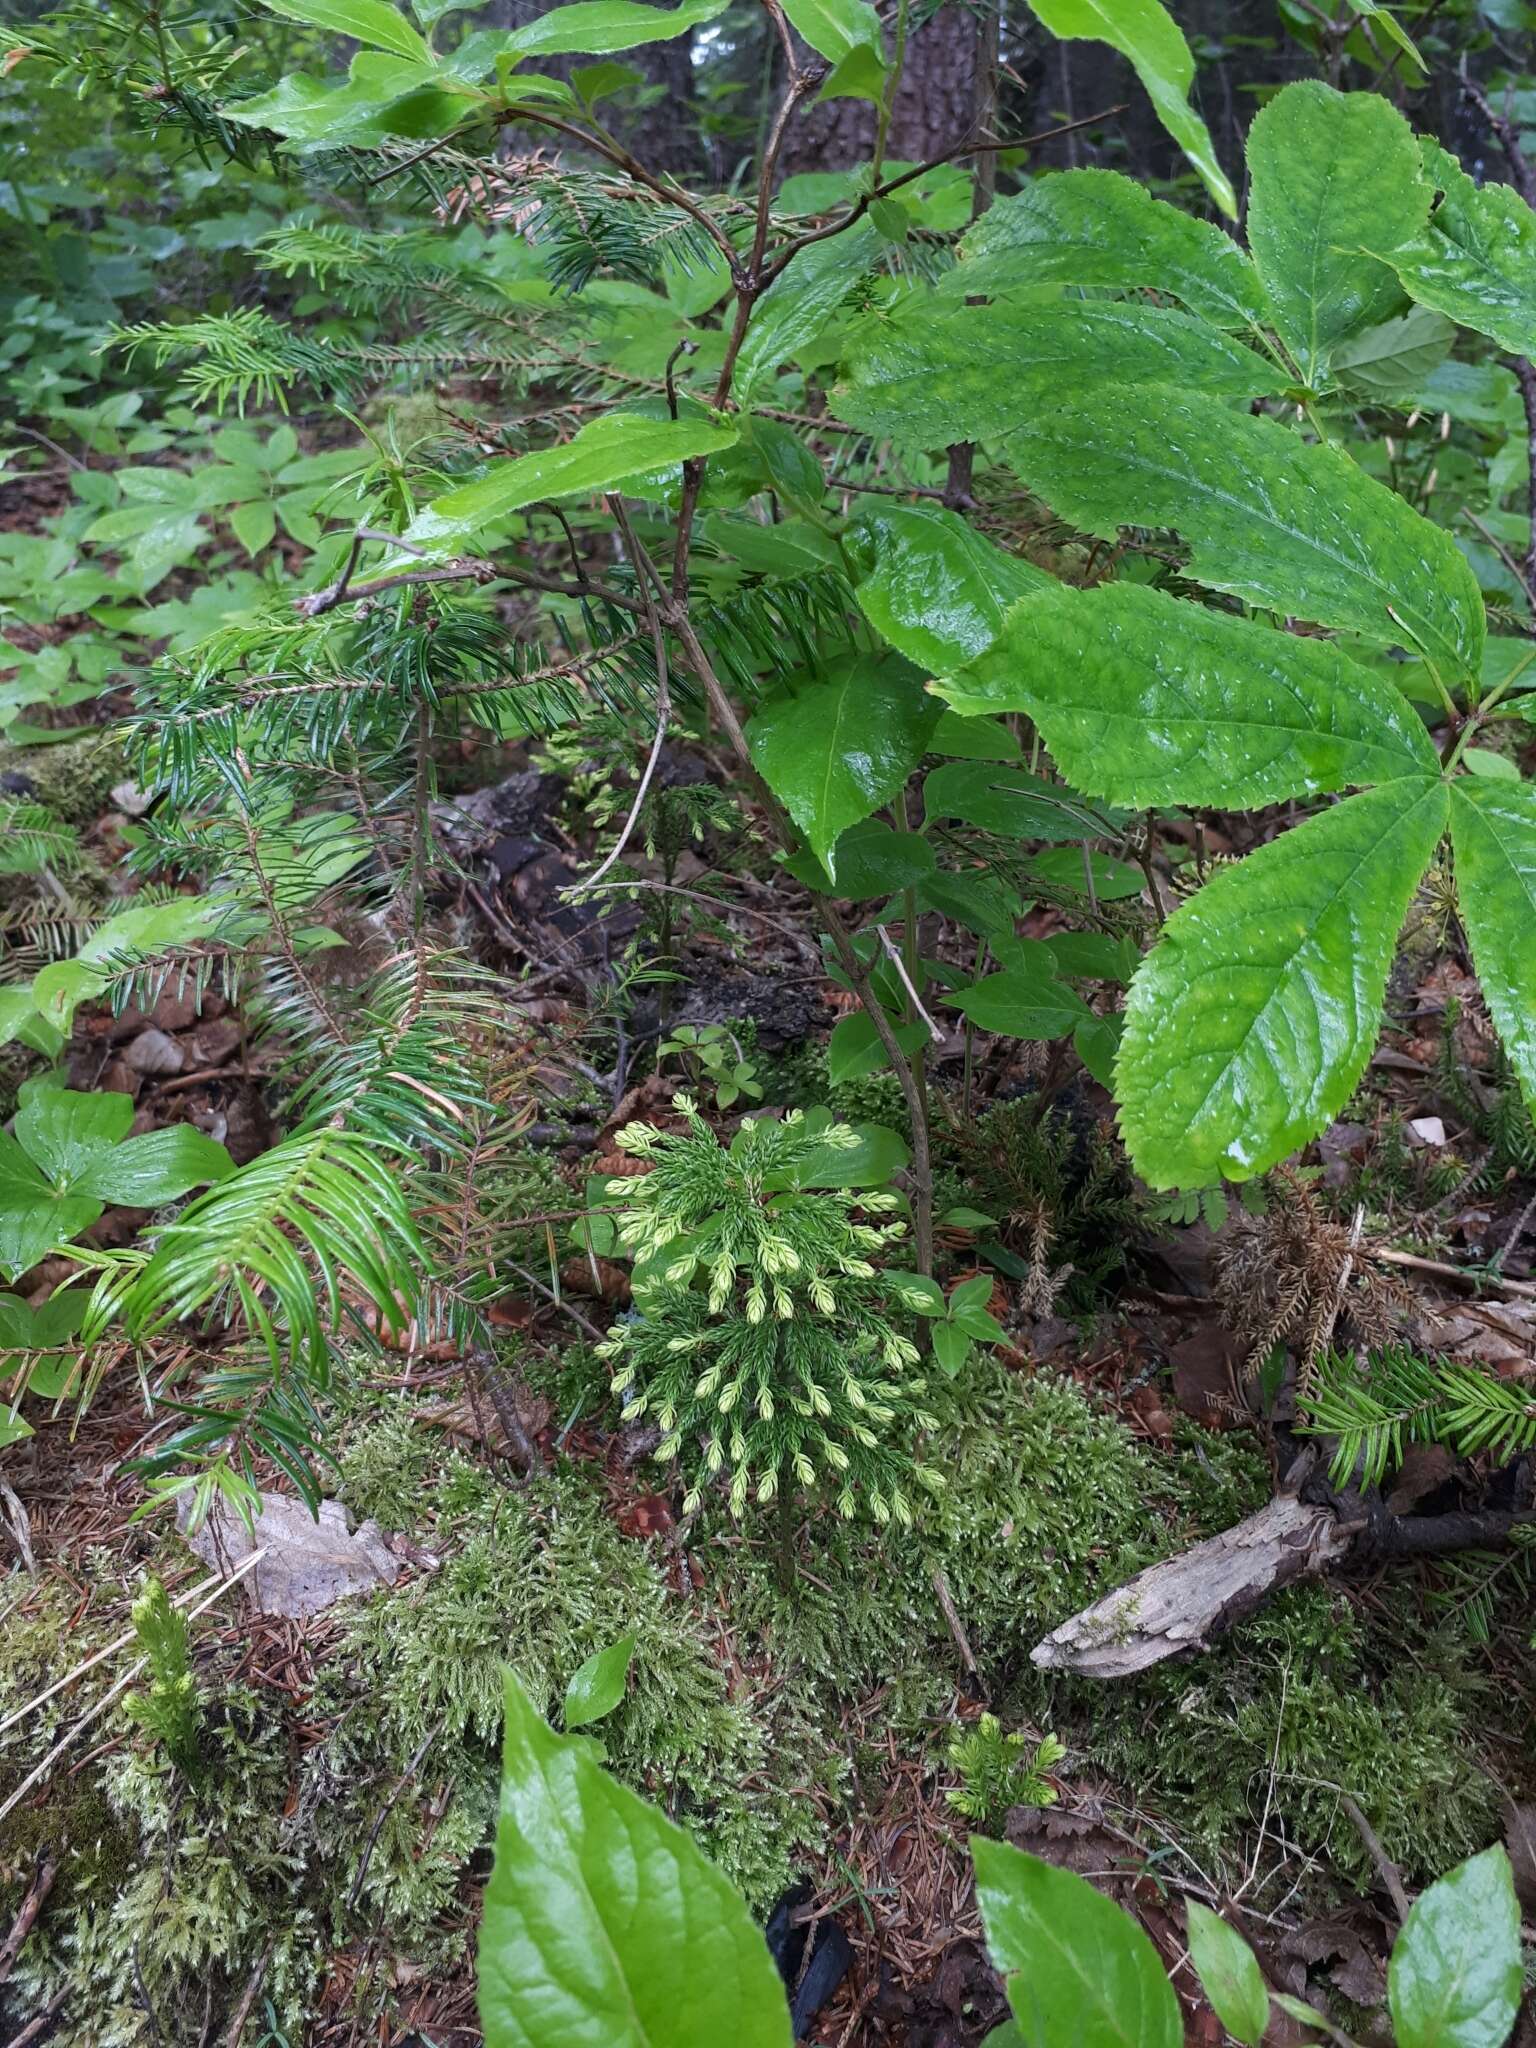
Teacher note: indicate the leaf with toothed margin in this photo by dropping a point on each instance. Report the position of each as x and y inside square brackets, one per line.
[1285, 523]
[1147, 699]
[1253, 1017]
[1493, 834]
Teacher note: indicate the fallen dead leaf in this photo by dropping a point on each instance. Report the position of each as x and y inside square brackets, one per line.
[310, 1562]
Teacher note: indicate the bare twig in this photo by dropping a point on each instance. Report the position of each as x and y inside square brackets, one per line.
[37, 1892]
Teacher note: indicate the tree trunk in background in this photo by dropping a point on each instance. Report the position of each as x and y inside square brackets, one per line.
[935, 105]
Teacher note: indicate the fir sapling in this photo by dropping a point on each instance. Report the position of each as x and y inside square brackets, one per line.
[765, 1342]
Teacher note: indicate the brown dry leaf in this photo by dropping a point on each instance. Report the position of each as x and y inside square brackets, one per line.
[611, 1283]
[309, 1564]
[1207, 1376]
[1520, 1841]
[478, 1422]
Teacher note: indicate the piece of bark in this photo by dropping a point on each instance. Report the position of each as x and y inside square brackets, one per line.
[1182, 1603]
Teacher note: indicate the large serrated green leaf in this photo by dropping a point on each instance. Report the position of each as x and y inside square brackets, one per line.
[1252, 1019]
[935, 588]
[938, 373]
[1454, 1980]
[1079, 1969]
[1334, 175]
[1147, 699]
[604, 1926]
[1286, 523]
[1100, 228]
[834, 747]
[1476, 260]
[602, 456]
[1493, 832]
[1146, 33]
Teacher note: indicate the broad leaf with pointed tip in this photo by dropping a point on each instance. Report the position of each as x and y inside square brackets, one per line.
[1252, 1019]
[1147, 699]
[376, 22]
[1079, 1969]
[605, 454]
[934, 587]
[1476, 259]
[835, 28]
[1146, 33]
[1334, 175]
[797, 306]
[1493, 833]
[604, 1926]
[597, 1687]
[836, 746]
[1292, 526]
[385, 97]
[1096, 227]
[939, 373]
[1454, 1980]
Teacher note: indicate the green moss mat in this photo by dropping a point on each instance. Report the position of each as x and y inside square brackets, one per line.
[752, 1714]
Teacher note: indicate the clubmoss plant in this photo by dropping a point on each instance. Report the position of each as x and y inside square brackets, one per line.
[765, 1341]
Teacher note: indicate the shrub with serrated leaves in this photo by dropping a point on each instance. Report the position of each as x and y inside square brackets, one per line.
[765, 1344]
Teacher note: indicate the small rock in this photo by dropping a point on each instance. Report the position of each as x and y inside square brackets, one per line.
[1426, 1130]
[14, 783]
[130, 799]
[153, 1052]
[215, 1040]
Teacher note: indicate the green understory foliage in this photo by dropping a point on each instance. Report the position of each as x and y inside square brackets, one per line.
[1050, 1501]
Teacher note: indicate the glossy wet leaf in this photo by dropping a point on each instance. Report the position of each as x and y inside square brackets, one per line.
[1476, 258]
[376, 22]
[1078, 1968]
[1147, 34]
[939, 373]
[933, 586]
[1095, 227]
[1396, 358]
[1146, 699]
[1292, 526]
[835, 747]
[1454, 1979]
[608, 452]
[997, 797]
[604, 1926]
[1252, 1019]
[1493, 833]
[1333, 176]
[835, 28]
[597, 1687]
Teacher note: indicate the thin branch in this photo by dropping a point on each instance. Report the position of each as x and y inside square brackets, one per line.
[463, 569]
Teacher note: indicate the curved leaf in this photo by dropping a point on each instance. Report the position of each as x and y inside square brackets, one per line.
[1334, 175]
[157, 1167]
[1147, 34]
[797, 306]
[1493, 833]
[835, 747]
[1100, 228]
[939, 373]
[608, 452]
[604, 1927]
[1079, 1968]
[935, 588]
[598, 28]
[1454, 1980]
[1283, 522]
[376, 22]
[1147, 699]
[1252, 1019]
[1476, 259]
[1229, 1975]
[598, 1686]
